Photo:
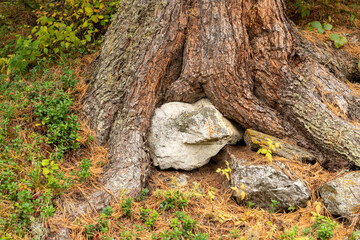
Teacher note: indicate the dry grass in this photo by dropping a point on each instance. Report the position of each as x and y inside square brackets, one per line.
[220, 216]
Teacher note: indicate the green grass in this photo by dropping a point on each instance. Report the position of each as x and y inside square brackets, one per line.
[37, 128]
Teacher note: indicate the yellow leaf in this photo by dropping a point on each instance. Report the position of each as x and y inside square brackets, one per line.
[314, 214]
[235, 189]
[88, 11]
[242, 195]
[224, 218]
[318, 208]
[227, 176]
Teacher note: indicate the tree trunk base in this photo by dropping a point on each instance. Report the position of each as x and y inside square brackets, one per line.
[247, 57]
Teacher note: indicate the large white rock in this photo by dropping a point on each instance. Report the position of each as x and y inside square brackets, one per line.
[185, 136]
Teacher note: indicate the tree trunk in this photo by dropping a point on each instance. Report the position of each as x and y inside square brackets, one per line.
[245, 56]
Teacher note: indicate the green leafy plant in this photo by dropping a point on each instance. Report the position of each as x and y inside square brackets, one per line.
[339, 41]
[303, 8]
[126, 206]
[143, 194]
[4, 62]
[291, 208]
[322, 229]
[49, 168]
[274, 204]
[68, 79]
[84, 172]
[355, 235]
[173, 199]
[102, 224]
[234, 234]
[319, 27]
[290, 234]
[128, 235]
[183, 227]
[147, 217]
[250, 204]
[54, 112]
[62, 27]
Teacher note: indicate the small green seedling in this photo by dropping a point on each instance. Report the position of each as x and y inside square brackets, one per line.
[339, 41]
[303, 8]
[126, 206]
[250, 204]
[274, 204]
[49, 167]
[319, 27]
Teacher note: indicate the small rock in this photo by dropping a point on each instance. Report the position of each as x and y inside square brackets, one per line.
[256, 140]
[62, 234]
[182, 179]
[179, 181]
[252, 235]
[185, 136]
[342, 195]
[38, 230]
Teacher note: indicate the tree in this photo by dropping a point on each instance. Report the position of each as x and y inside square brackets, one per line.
[246, 56]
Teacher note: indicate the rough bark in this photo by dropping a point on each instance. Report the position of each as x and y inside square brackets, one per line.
[246, 56]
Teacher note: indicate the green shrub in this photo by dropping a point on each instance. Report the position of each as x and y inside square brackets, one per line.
[173, 199]
[84, 172]
[290, 234]
[303, 8]
[63, 27]
[102, 224]
[147, 217]
[126, 206]
[143, 194]
[183, 227]
[54, 112]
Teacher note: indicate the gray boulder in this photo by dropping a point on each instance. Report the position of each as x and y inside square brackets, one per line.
[264, 183]
[342, 195]
[185, 136]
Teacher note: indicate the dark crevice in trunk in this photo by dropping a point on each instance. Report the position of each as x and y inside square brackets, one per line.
[173, 71]
[354, 78]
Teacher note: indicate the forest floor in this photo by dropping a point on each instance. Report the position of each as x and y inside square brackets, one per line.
[40, 174]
